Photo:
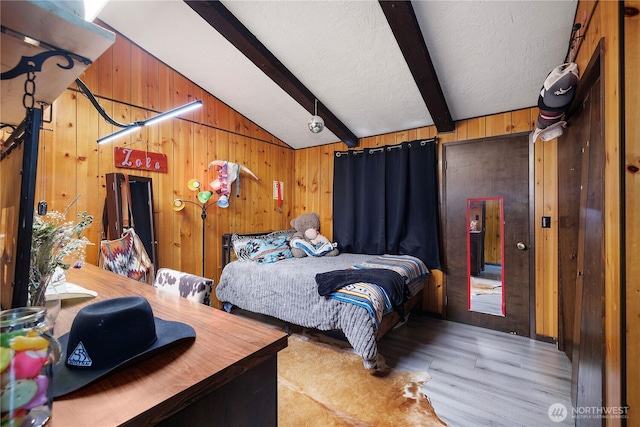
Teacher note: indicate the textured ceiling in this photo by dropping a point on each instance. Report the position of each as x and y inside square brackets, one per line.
[489, 57]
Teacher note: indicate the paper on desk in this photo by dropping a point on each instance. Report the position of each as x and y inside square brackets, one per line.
[68, 290]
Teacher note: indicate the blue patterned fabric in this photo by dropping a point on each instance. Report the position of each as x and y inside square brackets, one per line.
[407, 266]
[311, 249]
[266, 250]
[368, 296]
[248, 247]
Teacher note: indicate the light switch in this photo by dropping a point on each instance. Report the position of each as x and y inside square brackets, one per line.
[546, 222]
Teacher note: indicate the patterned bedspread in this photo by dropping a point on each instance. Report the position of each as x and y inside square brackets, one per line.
[287, 290]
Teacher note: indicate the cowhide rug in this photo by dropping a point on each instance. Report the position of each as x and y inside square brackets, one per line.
[326, 384]
[481, 286]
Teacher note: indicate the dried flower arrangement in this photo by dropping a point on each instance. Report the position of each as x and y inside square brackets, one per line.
[55, 243]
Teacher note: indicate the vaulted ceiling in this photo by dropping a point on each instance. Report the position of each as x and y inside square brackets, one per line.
[374, 67]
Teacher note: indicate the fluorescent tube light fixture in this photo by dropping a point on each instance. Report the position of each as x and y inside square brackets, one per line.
[172, 113]
[120, 133]
[157, 119]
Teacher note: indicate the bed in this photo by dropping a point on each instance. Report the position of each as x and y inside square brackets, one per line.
[273, 283]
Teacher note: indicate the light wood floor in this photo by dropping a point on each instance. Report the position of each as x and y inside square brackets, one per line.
[479, 377]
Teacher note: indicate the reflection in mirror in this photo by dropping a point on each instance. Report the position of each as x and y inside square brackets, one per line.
[485, 255]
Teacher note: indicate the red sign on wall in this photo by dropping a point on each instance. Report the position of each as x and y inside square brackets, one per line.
[138, 159]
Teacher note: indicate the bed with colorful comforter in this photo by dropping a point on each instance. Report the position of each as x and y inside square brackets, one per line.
[326, 293]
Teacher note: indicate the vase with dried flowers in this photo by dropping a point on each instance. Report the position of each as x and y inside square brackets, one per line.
[55, 244]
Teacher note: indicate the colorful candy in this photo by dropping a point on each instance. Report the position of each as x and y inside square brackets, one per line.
[23, 386]
[20, 343]
[17, 394]
[41, 395]
[6, 337]
[6, 354]
[27, 364]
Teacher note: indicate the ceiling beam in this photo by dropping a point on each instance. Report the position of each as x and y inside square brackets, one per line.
[404, 25]
[220, 18]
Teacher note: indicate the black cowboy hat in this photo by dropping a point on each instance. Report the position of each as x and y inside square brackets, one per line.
[109, 334]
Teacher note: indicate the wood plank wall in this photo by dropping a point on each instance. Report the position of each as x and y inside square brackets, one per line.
[493, 234]
[632, 207]
[132, 85]
[601, 20]
[546, 239]
[608, 14]
[314, 174]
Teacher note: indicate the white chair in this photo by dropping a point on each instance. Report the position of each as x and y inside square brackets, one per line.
[189, 286]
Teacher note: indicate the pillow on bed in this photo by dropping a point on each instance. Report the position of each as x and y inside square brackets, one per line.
[264, 249]
[239, 244]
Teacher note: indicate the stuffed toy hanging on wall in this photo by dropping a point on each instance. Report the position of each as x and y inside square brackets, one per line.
[228, 172]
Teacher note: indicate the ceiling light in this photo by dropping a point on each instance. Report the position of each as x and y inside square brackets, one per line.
[316, 124]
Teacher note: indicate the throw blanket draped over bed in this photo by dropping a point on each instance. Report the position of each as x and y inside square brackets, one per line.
[391, 282]
[377, 296]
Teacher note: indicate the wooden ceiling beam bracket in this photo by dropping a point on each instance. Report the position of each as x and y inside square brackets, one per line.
[223, 21]
[404, 25]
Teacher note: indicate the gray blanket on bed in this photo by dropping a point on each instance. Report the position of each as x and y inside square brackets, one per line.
[288, 291]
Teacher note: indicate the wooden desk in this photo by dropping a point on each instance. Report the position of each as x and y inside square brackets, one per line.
[227, 376]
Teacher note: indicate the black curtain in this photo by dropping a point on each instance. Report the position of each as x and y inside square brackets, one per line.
[385, 200]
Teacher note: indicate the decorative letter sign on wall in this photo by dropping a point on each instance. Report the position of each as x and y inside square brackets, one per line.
[138, 159]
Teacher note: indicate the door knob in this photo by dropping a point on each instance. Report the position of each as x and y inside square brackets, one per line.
[521, 246]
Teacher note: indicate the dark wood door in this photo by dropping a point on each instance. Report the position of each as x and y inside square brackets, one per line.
[489, 168]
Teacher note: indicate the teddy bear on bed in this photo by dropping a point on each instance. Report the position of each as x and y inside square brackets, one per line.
[307, 240]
